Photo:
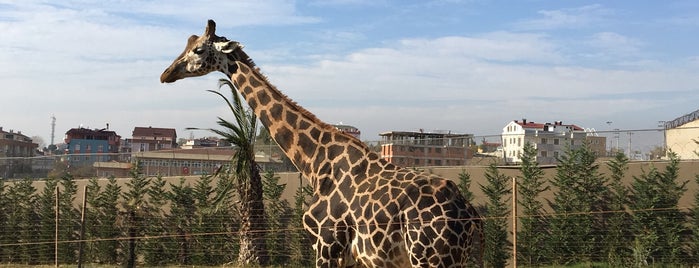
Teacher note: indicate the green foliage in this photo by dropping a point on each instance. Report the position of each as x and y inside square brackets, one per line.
[532, 228]
[182, 209]
[301, 251]
[21, 223]
[69, 220]
[497, 247]
[657, 223]
[135, 214]
[156, 250]
[277, 215]
[575, 226]
[694, 223]
[4, 210]
[618, 219]
[46, 227]
[465, 185]
[242, 134]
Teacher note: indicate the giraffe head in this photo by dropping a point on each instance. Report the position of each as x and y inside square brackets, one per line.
[204, 54]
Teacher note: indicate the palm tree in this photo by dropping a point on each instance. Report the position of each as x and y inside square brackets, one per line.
[246, 173]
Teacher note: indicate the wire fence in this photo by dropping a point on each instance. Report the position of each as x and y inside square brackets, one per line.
[183, 228]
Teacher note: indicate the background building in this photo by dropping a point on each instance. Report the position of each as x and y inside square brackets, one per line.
[15, 151]
[405, 148]
[146, 139]
[87, 146]
[550, 140]
[682, 135]
[353, 131]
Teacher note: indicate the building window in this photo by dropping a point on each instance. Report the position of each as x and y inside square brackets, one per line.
[555, 141]
[543, 140]
[544, 154]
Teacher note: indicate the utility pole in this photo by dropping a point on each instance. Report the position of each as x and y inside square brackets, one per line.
[630, 133]
[662, 125]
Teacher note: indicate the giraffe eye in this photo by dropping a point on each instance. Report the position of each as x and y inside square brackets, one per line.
[198, 50]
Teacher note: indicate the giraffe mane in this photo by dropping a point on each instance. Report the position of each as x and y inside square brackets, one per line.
[300, 108]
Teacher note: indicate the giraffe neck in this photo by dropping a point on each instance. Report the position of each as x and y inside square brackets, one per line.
[305, 140]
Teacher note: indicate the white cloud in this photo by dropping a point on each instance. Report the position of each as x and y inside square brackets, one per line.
[566, 18]
[479, 82]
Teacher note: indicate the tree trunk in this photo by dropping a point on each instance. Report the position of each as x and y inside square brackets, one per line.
[253, 248]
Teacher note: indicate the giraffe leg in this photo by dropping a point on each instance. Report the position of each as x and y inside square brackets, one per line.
[331, 239]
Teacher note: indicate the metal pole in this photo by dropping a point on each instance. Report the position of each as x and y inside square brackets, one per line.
[514, 222]
[55, 245]
[82, 229]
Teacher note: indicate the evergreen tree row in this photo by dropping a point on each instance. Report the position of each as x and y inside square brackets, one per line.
[143, 223]
[592, 218]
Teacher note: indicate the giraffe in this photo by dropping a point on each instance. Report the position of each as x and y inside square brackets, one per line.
[365, 212]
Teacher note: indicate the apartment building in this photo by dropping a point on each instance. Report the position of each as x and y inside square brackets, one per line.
[549, 139]
[406, 148]
[146, 139]
[87, 146]
[351, 130]
[682, 135]
[15, 149]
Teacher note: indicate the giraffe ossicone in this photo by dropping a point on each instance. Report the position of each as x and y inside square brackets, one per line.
[365, 211]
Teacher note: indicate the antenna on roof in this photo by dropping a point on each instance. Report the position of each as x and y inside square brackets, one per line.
[53, 128]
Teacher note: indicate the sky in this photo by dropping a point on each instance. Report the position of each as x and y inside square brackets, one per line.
[467, 66]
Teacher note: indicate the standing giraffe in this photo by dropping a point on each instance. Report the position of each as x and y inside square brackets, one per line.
[365, 211]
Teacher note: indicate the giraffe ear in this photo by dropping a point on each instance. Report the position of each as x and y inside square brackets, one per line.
[210, 29]
[228, 46]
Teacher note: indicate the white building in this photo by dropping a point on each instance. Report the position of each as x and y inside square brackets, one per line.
[682, 135]
[550, 140]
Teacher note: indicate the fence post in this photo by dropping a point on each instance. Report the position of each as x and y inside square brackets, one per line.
[514, 221]
[82, 229]
[55, 244]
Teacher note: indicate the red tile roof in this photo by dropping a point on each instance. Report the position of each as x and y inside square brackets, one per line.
[154, 132]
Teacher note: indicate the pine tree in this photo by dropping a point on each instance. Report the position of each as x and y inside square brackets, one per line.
[576, 225]
[669, 217]
[204, 223]
[4, 207]
[182, 213]
[134, 216]
[107, 209]
[21, 221]
[657, 222]
[69, 224]
[46, 214]
[694, 223]
[301, 250]
[618, 220]
[465, 185]
[90, 251]
[225, 210]
[532, 229]
[497, 190]
[277, 214]
[156, 250]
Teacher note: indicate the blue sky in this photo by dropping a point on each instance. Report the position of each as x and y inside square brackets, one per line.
[465, 66]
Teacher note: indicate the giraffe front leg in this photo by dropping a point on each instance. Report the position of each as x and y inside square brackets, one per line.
[330, 240]
[331, 251]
